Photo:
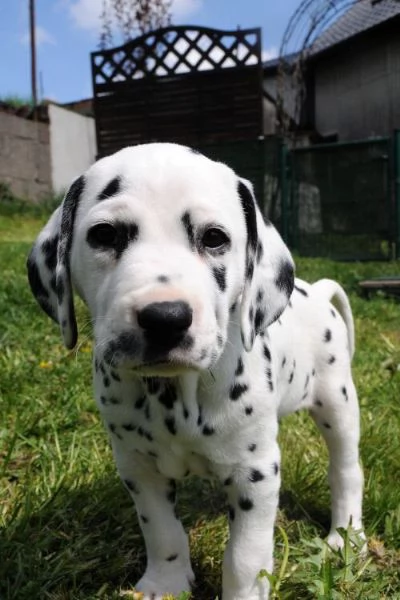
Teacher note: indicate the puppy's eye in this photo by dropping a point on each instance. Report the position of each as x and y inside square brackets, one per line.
[214, 238]
[102, 235]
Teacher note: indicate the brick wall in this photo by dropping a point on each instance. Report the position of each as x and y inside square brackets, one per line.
[25, 156]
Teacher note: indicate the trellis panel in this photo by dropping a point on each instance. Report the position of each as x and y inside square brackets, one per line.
[183, 84]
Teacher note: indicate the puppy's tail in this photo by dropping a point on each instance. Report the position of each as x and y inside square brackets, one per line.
[335, 294]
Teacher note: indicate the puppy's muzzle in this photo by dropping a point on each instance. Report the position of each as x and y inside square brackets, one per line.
[165, 323]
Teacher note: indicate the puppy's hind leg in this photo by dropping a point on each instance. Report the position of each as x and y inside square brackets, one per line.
[336, 414]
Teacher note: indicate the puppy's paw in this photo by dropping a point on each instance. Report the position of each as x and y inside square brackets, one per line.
[158, 583]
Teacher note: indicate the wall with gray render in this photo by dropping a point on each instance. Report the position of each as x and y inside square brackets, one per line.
[72, 145]
[25, 156]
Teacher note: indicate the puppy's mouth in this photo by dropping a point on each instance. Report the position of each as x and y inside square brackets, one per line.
[163, 368]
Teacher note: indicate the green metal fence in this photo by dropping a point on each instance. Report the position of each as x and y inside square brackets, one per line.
[342, 205]
[340, 201]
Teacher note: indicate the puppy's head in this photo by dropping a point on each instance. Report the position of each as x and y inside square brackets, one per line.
[170, 253]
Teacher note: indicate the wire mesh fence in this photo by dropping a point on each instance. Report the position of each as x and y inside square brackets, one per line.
[339, 201]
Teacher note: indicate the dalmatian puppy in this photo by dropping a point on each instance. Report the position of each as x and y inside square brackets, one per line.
[194, 358]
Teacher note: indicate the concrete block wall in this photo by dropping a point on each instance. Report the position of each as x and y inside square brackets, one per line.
[25, 162]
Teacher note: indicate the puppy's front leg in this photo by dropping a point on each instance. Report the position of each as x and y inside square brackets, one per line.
[168, 569]
[253, 499]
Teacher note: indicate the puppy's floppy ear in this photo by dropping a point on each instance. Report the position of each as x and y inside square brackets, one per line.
[49, 265]
[269, 271]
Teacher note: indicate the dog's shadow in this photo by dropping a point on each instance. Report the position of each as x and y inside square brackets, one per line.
[85, 543]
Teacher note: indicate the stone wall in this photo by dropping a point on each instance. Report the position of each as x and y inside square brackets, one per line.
[25, 156]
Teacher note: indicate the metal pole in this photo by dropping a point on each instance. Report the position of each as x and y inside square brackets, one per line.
[397, 189]
[33, 53]
[284, 190]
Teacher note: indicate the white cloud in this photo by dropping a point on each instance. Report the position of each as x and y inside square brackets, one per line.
[269, 53]
[86, 13]
[42, 37]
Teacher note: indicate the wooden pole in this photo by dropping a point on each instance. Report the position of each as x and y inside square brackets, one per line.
[33, 53]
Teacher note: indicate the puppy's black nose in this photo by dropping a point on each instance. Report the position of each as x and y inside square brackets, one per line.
[165, 322]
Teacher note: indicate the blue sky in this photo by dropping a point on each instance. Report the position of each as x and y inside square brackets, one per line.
[68, 30]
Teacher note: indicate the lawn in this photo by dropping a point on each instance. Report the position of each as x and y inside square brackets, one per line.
[68, 528]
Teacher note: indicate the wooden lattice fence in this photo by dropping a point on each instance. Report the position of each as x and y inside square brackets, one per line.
[185, 84]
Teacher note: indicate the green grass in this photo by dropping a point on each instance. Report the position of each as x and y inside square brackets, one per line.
[68, 528]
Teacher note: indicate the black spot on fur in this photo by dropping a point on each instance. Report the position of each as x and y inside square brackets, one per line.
[283, 362]
[275, 468]
[140, 402]
[256, 475]
[172, 557]
[252, 447]
[144, 519]
[260, 252]
[344, 392]
[49, 249]
[228, 481]
[163, 279]
[248, 206]
[285, 278]
[200, 417]
[111, 189]
[259, 319]
[106, 382]
[170, 425]
[115, 376]
[251, 314]
[270, 384]
[188, 225]
[132, 486]
[327, 335]
[208, 430]
[331, 359]
[291, 377]
[333, 313]
[60, 289]
[125, 344]
[237, 390]
[231, 512]
[239, 367]
[245, 503]
[168, 396]
[248, 410]
[37, 287]
[327, 426]
[318, 403]
[129, 427]
[250, 270]
[300, 290]
[267, 353]
[219, 274]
